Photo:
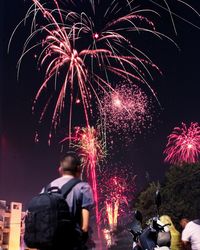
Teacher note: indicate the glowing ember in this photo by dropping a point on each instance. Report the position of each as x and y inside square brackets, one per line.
[116, 102]
[183, 145]
[96, 35]
[78, 101]
[108, 237]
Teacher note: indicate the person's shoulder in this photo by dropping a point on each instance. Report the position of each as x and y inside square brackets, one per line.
[86, 195]
[190, 225]
[84, 187]
[51, 183]
[193, 224]
[84, 184]
[57, 179]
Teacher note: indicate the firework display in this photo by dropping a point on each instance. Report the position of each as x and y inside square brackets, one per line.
[116, 194]
[81, 54]
[80, 57]
[183, 145]
[83, 47]
[118, 189]
[127, 109]
[94, 72]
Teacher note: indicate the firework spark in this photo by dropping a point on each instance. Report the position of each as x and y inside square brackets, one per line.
[183, 145]
[126, 109]
[108, 237]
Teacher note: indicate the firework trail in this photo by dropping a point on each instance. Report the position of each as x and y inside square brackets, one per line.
[127, 109]
[168, 6]
[183, 145]
[92, 150]
[78, 66]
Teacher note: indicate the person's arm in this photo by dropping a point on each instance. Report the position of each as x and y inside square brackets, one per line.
[186, 238]
[87, 203]
[85, 220]
[186, 245]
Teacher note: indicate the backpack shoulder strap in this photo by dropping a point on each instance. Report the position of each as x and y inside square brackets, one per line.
[67, 187]
[46, 188]
[50, 188]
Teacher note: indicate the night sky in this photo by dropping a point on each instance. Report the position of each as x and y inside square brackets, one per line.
[25, 166]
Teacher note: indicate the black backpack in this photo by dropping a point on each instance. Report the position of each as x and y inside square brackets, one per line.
[48, 216]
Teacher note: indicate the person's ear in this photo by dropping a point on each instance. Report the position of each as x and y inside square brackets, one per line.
[79, 169]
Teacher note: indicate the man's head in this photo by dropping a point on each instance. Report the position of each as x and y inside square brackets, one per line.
[70, 164]
[183, 222]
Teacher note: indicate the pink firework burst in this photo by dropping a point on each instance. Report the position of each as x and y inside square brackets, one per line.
[126, 109]
[183, 145]
[117, 189]
[115, 196]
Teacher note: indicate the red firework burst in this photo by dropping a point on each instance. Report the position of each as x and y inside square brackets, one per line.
[183, 145]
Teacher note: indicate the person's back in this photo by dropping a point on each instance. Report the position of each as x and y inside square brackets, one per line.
[79, 197]
[191, 234]
[79, 200]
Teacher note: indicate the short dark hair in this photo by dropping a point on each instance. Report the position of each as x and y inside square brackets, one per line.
[76, 160]
[183, 216]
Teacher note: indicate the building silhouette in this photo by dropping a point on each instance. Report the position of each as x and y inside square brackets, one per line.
[11, 226]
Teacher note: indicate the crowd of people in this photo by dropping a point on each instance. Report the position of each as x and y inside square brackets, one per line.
[190, 236]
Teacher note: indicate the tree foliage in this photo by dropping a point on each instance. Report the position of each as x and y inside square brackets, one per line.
[180, 194]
